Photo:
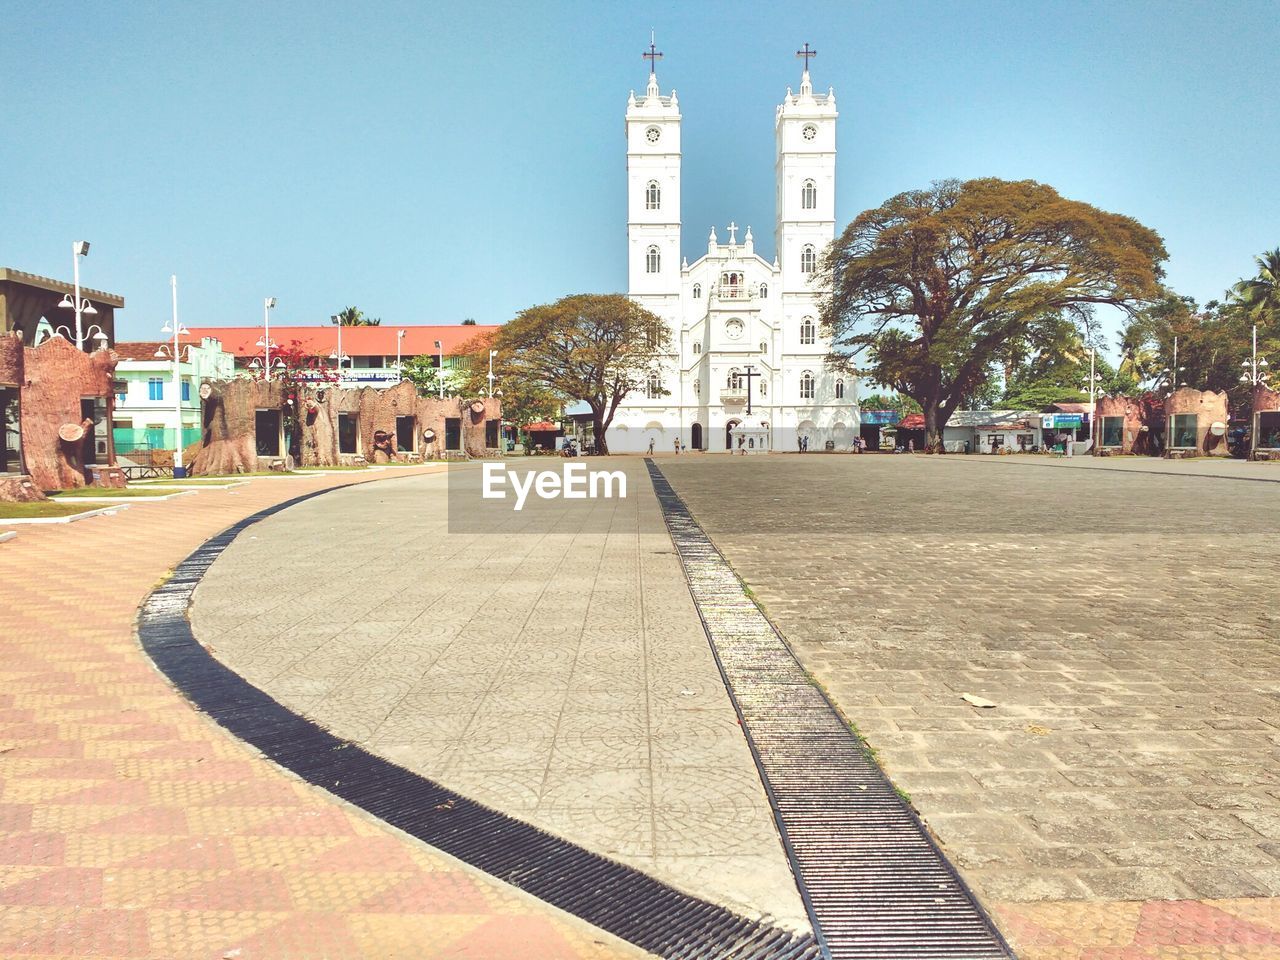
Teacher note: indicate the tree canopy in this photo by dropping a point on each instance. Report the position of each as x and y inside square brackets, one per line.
[523, 400]
[938, 286]
[596, 348]
[353, 317]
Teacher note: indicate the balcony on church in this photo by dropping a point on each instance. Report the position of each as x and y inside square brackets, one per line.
[733, 291]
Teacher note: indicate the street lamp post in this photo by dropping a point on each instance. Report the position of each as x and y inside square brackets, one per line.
[399, 341]
[1093, 398]
[266, 343]
[80, 248]
[492, 354]
[1251, 374]
[338, 356]
[440, 374]
[177, 330]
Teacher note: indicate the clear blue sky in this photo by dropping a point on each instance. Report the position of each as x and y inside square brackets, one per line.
[430, 162]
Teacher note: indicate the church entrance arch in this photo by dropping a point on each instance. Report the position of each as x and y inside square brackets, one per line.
[728, 433]
[696, 436]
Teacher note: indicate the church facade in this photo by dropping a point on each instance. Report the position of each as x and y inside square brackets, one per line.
[744, 330]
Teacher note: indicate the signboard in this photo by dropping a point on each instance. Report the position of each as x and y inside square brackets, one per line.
[1068, 419]
[880, 417]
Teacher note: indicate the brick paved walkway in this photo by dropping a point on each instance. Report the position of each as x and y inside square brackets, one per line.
[130, 826]
[1126, 625]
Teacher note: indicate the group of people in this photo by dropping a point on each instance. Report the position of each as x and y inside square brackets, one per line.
[680, 447]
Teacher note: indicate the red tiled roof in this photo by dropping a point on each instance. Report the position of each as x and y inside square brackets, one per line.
[1072, 407]
[541, 425]
[356, 341]
[146, 349]
[912, 421]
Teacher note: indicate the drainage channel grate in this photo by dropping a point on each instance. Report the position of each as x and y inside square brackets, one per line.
[873, 880]
[614, 897]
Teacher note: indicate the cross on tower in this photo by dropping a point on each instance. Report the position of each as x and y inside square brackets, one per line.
[806, 55]
[733, 233]
[751, 372]
[653, 55]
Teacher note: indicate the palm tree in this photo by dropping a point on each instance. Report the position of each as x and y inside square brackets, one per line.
[1260, 296]
[353, 317]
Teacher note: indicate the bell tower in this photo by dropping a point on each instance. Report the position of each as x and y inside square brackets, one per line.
[653, 196]
[805, 131]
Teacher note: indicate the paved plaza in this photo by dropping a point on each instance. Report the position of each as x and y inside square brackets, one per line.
[1120, 800]
[1124, 624]
[563, 678]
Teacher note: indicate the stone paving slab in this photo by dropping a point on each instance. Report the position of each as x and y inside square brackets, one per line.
[130, 826]
[1124, 623]
[562, 678]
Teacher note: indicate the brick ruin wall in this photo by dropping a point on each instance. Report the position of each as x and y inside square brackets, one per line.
[52, 378]
[228, 442]
[1143, 421]
[1264, 400]
[1209, 408]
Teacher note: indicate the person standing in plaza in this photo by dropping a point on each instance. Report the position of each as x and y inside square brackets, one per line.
[651, 446]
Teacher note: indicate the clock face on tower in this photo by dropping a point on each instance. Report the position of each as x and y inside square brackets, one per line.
[809, 131]
[733, 329]
[653, 133]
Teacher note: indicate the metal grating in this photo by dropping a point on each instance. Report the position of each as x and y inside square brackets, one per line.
[614, 897]
[876, 885]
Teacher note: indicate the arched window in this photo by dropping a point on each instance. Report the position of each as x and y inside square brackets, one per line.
[764, 290]
[808, 332]
[653, 260]
[806, 386]
[653, 389]
[764, 346]
[839, 389]
[653, 196]
[764, 389]
[697, 348]
[697, 388]
[809, 196]
[734, 380]
[808, 259]
[697, 291]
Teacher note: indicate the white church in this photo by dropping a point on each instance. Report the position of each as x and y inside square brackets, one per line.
[738, 323]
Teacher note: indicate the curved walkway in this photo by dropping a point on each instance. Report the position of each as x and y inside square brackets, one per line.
[131, 826]
[563, 678]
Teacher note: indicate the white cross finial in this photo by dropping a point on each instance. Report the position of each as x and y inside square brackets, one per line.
[733, 233]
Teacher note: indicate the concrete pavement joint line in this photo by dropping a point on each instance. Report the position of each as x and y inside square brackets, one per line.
[873, 880]
[619, 899]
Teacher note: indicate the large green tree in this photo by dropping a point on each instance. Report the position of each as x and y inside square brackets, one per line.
[524, 400]
[935, 286]
[596, 348]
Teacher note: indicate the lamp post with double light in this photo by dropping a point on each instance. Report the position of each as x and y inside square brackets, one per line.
[175, 353]
[1252, 374]
[440, 371]
[266, 343]
[1094, 379]
[492, 354]
[80, 248]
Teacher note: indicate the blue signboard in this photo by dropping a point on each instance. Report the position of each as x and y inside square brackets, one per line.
[880, 417]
